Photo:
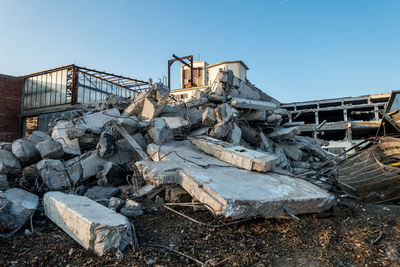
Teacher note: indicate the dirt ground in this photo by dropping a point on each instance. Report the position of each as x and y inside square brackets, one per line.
[350, 234]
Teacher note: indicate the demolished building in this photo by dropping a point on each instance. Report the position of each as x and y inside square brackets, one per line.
[229, 146]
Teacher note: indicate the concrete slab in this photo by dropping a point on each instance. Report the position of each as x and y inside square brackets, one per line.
[252, 104]
[60, 134]
[92, 225]
[236, 155]
[96, 121]
[234, 192]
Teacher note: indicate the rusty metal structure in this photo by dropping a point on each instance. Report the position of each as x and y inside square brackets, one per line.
[182, 60]
[58, 91]
[373, 174]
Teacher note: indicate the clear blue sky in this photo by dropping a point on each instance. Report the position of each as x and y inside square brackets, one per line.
[296, 50]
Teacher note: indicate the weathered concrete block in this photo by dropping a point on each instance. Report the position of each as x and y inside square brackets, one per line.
[208, 117]
[60, 134]
[151, 108]
[252, 104]
[235, 192]
[292, 152]
[50, 149]
[221, 130]
[177, 124]
[236, 155]
[25, 151]
[53, 174]
[96, 121]
[284, 133]
[161, 91]
[17, 206]
[225, 113]
[159, 131]
[131, 124]
[38, 136]
[9, 164]
[92, 225]
[136, 106]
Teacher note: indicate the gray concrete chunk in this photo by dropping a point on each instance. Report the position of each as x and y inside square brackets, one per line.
[159, 131]
[252, 104]
[92, 225]
[235, 192]
[53, 174]
[60, 134]
[9, 164]
[236, 155]
[284, 133]
[50, 149]
[38, 136]
[17, 206]
[25, 151]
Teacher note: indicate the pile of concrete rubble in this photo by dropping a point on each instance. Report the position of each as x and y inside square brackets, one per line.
[230, 147]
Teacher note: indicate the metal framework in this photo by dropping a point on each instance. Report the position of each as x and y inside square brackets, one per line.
[72, 80]
[181, 59]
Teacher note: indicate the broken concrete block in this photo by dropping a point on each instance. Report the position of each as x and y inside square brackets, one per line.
[252, 104]
[131, 124]
[161, 172]
[225, 113]
[136, 106]
[235, 192]
[50, 149]
[96, 121]
[9, 164]
[38, 136]
[284, 133]
[236, 155]
[3, 182]
[83, 167]
[159, 131]
[192, 103]
[115, 203]
[131, 209]
[102, 193]
[92, 225]
[254, 115]
[292, 152]
[111, 174]
[194, 116]
[177, 194]
[106, 145]
[208, 117]
[151, 108]
[17, 206]
[161, 91]
[25, 151]
[140, 140]
[178, 125]
[60, 134]
[53, 174]
[221, 130]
